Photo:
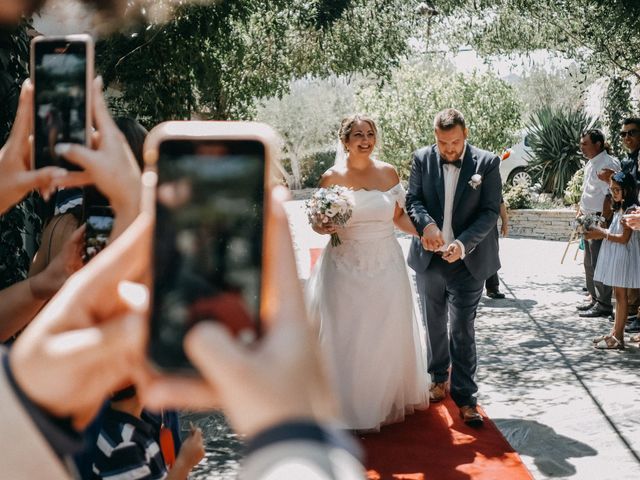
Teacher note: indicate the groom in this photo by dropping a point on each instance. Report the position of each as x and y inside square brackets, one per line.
[454, 202]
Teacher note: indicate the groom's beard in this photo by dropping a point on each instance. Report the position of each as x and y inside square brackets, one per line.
[451, 157]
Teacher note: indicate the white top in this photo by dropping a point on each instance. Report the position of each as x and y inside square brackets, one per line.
[595, 190]
[451, 174]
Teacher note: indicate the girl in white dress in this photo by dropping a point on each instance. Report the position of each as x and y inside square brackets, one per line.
[619, 258]
[360, 296]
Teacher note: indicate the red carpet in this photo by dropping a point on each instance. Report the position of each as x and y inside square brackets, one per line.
[436, 444]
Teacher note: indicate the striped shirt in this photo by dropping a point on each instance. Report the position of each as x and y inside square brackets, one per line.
[127, 449]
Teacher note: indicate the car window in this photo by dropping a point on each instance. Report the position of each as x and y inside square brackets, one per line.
[526, 141]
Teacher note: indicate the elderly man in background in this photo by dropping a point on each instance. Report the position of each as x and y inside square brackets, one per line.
[594, 195]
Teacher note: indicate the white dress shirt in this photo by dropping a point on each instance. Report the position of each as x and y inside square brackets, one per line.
[451, 174]
[595, 190]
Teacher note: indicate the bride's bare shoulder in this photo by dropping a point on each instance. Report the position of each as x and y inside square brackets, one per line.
[388, 172]
[335, 175]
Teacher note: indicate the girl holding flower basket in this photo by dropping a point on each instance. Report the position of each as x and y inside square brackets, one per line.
[359, 293]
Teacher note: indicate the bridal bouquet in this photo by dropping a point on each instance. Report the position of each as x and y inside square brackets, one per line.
[587, 221]
[332, 204]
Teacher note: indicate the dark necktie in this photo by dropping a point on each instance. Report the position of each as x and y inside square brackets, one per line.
[456, 163]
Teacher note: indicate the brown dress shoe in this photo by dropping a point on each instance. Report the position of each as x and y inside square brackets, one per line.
[471, 416]
[437, 392]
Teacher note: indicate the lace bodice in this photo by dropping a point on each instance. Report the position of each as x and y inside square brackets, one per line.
[373, 213]
[368, 239]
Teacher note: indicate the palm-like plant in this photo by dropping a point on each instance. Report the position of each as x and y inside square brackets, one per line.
[554, 136]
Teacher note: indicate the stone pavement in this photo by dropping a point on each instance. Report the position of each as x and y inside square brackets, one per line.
[569, 410]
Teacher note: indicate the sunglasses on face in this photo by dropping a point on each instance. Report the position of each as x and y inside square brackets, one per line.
[631, 133]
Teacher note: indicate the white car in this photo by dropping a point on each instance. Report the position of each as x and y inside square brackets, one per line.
[514, 162]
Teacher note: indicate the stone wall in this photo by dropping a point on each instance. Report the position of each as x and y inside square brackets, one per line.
[534, 223]
[542, 224]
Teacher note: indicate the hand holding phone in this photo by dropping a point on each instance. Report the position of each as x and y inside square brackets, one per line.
[61, 73]
[280, 379]
[209, 232]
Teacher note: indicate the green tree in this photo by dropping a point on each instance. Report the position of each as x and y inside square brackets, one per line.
[601, 35]
[215, 60]
[540, 87]
[406, 106]
[307, 125]
[21, 224]
[617, 106]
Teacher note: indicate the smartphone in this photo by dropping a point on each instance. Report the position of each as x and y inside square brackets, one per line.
[99, 224]
[208, 242]
[98, 217]
[61, 73]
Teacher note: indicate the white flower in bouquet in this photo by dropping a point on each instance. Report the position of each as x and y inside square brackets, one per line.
[587, 221]
[331, 204]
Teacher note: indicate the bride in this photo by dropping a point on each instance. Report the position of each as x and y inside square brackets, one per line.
[360, 296]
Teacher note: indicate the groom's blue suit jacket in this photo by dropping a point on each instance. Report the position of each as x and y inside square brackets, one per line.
[475, 211]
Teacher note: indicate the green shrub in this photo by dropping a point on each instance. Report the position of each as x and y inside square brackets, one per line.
[573, 192]
[554, 136]
[314, 165]
[518, 197]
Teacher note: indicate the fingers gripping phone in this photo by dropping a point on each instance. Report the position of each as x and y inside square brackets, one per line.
[61, 73]
[208, 242]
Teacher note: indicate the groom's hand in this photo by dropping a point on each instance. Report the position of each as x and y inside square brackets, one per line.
[452, 253]
[432, 238]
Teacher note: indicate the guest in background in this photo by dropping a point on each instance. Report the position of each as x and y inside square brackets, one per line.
[619, 264]
[592, 200]
[493, 282]
[630, 135]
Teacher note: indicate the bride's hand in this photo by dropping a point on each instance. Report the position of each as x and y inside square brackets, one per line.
[327, 228]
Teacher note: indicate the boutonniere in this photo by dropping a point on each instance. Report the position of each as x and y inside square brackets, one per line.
[476, 180]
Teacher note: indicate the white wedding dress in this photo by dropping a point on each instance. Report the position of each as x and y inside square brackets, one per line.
[360, 299]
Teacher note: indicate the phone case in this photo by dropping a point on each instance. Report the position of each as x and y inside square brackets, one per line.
[90, 49]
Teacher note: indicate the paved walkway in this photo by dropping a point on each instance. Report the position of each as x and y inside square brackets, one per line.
[569, 410]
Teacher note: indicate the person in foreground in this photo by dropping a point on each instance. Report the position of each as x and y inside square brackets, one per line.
[89, 342]
[359, 294]
[454, 202]
[129, 446]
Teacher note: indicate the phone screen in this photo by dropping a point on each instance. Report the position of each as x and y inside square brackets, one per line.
[99, 223]
[60, 79]
[91, 197]
[208, 242]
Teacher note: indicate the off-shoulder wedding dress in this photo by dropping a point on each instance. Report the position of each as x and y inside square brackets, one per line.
[360, 298]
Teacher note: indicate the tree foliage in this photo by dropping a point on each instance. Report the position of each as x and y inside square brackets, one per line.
[617, 106]
[18, 223]
[558, 88]
[214, 60]
[601, 35]
[406, 106]
[308, 118]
